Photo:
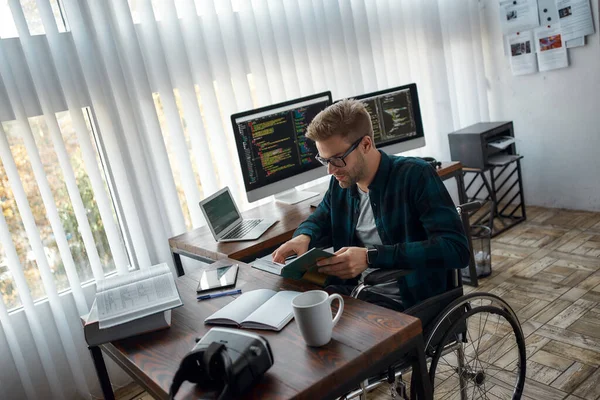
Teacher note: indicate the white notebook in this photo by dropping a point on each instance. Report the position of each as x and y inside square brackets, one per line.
[257, 309]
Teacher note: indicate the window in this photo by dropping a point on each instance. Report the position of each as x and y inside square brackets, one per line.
[7, 25]
[62, 198]
[33, 18]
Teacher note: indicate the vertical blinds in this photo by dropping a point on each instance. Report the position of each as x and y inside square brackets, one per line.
[114, 122]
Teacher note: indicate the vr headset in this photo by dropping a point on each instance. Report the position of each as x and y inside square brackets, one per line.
[225, 359]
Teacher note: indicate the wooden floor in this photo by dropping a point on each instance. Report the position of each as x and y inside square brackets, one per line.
[548, 270]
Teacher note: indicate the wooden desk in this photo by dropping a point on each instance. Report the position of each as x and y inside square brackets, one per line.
[366, 341]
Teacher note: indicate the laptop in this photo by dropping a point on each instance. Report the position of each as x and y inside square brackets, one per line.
[225, 221]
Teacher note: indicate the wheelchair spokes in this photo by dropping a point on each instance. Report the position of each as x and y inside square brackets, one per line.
[474, 348]
[480, 356]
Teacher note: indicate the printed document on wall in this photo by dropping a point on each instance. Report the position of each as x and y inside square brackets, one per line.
[548, 11]
[550, 48]
[522, 53]
[575, 18]
[577, 42]
[518, 15]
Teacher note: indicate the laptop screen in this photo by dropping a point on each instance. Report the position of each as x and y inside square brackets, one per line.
[221, 212]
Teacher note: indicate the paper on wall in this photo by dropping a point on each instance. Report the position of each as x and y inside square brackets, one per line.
[548, 12]
[518, 15]
[577, 42]
[550, 48]
[522, 53]
[575, 18]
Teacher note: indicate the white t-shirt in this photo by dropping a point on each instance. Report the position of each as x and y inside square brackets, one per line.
[366, 230]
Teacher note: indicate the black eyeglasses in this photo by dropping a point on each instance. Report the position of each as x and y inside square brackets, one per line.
[339, 162]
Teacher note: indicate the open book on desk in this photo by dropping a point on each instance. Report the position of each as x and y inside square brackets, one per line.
[124, 298]
[257, 309]
[95, 336]
[303, 267]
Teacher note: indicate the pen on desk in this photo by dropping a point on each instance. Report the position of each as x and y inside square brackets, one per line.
[215, 295]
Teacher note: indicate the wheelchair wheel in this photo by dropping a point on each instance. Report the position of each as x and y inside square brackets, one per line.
[477, 350]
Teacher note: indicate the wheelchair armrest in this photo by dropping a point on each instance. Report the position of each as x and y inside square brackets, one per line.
[382, 276]
[468, 207]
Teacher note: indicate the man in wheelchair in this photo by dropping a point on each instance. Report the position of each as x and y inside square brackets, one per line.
[397, 233]
[380, 212]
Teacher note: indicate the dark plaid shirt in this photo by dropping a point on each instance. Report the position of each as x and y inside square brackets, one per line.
[416, 220]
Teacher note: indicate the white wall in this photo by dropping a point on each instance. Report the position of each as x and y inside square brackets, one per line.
[556, 117]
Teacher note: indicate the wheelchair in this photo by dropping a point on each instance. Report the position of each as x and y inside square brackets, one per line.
[474, 345]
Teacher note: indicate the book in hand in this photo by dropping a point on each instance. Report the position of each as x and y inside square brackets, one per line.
[125, 298]
[257, 309]
[303, 267]
[95, 336]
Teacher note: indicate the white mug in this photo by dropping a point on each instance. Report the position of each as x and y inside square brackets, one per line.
[312, 311]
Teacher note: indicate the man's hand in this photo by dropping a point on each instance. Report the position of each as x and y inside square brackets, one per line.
[347, 263]
[298, 246]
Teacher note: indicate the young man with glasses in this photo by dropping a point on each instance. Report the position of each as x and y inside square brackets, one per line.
[380, 211]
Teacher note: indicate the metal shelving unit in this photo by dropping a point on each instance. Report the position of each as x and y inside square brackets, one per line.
[500, 188]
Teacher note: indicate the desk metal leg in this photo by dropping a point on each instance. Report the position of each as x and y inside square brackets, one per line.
[423, 388]
[462, 192]
[462, 199]
[102, 373]
[177, 261]
[178, 264]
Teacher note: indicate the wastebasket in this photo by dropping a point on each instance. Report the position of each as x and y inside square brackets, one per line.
[481, 237]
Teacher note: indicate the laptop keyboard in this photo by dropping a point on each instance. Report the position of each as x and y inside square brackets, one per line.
[244, 227]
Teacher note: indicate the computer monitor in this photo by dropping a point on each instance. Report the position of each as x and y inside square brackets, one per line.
[274, 153]
[396, 118]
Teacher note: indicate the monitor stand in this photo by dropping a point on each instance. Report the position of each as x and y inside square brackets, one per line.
[294, 196]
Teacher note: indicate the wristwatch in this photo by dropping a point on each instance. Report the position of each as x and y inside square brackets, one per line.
[372, 254]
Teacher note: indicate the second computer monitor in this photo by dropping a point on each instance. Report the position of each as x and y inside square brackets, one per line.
[396, 118]
[274, 153]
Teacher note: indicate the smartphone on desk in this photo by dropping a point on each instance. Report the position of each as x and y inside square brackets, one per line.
[218, 278]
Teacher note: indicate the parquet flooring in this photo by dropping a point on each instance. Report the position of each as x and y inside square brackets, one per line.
[548, 270]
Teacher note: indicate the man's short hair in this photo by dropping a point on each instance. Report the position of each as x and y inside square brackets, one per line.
[347, 118]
